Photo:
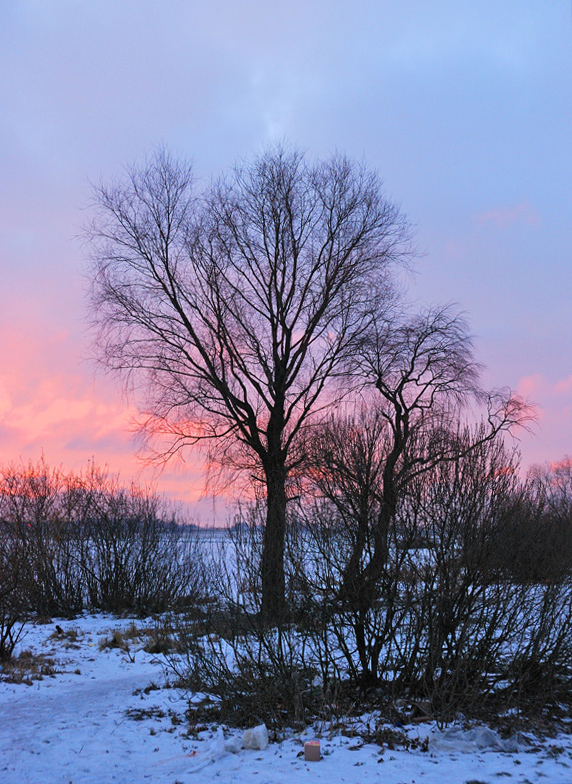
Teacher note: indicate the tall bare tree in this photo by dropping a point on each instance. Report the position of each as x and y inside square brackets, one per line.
[231, 309]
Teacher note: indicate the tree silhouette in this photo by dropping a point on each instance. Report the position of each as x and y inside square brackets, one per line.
[233, 309]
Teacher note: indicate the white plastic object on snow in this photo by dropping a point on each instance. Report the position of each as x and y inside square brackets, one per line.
[233, 745]
[256, 738]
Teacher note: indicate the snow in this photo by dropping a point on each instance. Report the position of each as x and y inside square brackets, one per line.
[104, 716]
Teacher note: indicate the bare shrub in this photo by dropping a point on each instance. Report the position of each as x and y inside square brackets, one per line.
[544, 522]
[253, 670]
[12, 605]
[449, 628]
[42, 537]
[83, 540]
[450, 621]
[135, 557]
[254, 674]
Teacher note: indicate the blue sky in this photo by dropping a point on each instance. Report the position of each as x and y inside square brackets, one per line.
[464, 108]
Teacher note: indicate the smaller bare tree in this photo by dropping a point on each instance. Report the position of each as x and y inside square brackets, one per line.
[425, 375]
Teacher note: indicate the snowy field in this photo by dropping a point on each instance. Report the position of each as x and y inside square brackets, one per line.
[99, 715]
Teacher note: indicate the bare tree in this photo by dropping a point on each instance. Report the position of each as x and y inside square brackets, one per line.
[232, 309]
[424, 374]
[347, 455]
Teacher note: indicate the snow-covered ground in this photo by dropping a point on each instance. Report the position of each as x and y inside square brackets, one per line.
[103, 715]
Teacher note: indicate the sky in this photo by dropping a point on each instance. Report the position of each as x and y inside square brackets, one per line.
[465, 109]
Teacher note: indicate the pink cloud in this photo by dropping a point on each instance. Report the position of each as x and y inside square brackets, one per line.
[51, 404]
[551, 439]
[565, 463]
[503, 218]
[528, 386]
[563, 387]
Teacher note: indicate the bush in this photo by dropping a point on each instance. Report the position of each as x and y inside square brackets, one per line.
[84, 541]
[12, 605]
[453, 623]
[135, 559]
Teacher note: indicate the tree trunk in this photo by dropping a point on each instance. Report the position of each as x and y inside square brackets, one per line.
[359, 586]
[373, 571]
[352, 575]
[273, 583]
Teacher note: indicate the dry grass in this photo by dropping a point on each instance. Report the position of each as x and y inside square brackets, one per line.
[28, 667]
[70, 637]
[121, 638]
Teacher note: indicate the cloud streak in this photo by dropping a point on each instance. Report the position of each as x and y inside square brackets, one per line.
[502, 218]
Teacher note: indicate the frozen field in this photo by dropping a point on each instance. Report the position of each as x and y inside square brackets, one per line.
[103, 715]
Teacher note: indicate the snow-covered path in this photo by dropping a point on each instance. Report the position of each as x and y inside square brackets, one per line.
[74, 728]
